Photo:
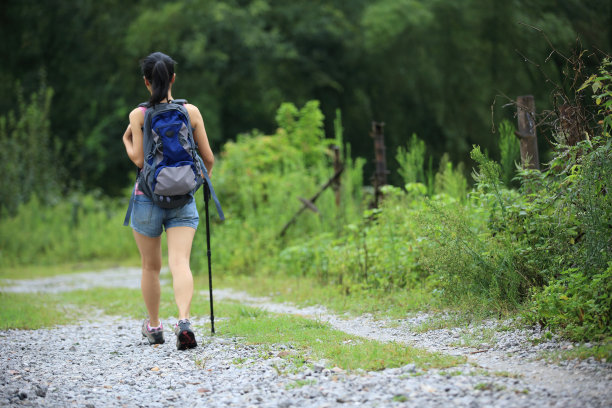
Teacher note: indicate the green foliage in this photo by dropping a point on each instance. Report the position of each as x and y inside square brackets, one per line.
[601, 85]
[578, 303]
[79, 228]
[28, 157]
[579, 244]
[451, 180]
[262, 177]
[383, 21]
[431, 67]
[465, 260]
[411, 160]
[509, 149]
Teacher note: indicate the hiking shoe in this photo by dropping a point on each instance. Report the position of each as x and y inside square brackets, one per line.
[155, 335]
[185, 337]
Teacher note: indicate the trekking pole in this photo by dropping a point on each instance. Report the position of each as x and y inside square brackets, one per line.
[212, 314]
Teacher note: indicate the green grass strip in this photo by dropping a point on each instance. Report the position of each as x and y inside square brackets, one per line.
[319, 341]
[311, 339]
[31, 311]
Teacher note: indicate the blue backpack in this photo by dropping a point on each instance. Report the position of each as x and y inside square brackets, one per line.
[173, 170]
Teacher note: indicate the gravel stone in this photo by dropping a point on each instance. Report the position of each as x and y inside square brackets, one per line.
[105, 362]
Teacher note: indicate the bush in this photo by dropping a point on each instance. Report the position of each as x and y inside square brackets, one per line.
[411, 161]
[29, 161]
[576, 262]
[509, 150]
[78, 228]
[260, 179]
[577, 304]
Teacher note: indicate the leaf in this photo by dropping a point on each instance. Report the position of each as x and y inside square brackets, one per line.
[586, 83]
[596, 86]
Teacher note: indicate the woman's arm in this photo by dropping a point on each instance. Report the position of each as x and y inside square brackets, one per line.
[133, 144]
[127, 142]
[200, 137]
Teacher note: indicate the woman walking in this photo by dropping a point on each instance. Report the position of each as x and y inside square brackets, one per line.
[148, 220]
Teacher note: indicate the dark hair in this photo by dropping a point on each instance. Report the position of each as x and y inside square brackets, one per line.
[158, 69]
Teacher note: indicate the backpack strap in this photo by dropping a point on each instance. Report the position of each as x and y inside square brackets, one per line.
[178, 101]
[214, 196]
[128, 214]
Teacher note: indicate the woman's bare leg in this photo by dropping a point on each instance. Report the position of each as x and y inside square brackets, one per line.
[179, 252]
[150, 254]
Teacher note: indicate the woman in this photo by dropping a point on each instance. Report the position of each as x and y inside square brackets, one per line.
[148, 220]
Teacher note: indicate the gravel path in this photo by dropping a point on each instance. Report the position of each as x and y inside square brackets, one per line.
[106, 363]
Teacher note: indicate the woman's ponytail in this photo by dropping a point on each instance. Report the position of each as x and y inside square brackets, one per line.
[158, 69]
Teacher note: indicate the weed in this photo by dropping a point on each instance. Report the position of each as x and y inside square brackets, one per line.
[600, 352]
[239, 361]
[400, 398]
[450, 373]
[299, 384]
[200, 361]
[489, 387]
[507, 374]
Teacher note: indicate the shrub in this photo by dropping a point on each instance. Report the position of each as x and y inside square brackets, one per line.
[261, 178]
[411, 161]
[509, 149]
[78, 228]
[28, 158]
[450, 180]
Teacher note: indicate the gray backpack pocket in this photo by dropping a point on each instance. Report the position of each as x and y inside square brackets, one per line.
[175, 180]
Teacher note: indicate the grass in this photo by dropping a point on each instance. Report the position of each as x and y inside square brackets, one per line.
[600, 352]
[305, 291]
[388, 305]
[477, 338]
[507, 374]
[312, 340]
[451, 373]
[32, 311]
[489, 387]
[299, 384]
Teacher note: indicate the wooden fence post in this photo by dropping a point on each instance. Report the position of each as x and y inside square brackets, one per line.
[380, 176]
[526, 133]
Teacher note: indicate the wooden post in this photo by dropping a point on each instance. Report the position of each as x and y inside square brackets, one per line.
[527, 132]
[380, 176]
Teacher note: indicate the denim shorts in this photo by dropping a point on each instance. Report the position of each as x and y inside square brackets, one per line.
[150, 220]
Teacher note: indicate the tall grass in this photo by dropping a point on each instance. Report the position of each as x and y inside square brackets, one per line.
[509, 149]
[411, 160]
[79, 228]
[28, 163]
